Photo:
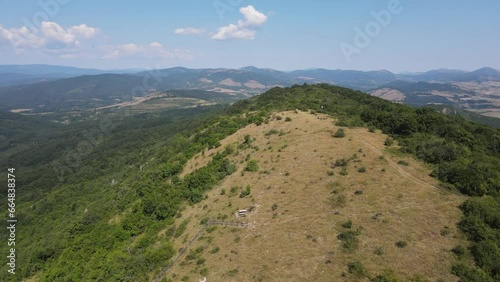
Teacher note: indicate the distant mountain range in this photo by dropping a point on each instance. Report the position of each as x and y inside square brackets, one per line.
[24, 74]
[48, 88]
[19, 74]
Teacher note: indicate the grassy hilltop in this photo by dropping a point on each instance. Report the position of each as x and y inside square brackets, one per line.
[339, 185]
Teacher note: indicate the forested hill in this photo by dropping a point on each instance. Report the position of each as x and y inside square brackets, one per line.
[101, 222]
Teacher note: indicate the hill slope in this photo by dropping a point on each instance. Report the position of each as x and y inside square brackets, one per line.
[299, 201]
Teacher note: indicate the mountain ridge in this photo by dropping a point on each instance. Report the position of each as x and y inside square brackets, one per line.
[482, 86]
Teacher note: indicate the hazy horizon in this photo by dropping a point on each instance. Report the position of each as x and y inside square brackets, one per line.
[139, 69]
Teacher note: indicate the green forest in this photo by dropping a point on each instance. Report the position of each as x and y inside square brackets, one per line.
[73, 180]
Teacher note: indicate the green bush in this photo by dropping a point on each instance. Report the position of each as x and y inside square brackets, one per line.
[181, 228]
[470, 274]
[248, 139]
[215, 250]
[486, 254]
[402, 162]
[234, 190]
[212, 228]
[484, 208]
[388, 141]
[350, 121]
[356, 268]
[233, 272]
[252, 165]
[389, 277]
[204, 271]
[379, 251]
[341, 163]
[347, 224]
[339, 133]
[458, 250]
[401, 244]
[475, 229]
[272, 132]
[245, 192]
[349, 240]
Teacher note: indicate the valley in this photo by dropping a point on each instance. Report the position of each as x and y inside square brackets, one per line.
[477, 91]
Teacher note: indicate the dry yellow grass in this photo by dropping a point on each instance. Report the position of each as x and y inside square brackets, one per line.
[298, 240]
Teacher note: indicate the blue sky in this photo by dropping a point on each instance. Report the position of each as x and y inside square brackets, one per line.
[402, 35]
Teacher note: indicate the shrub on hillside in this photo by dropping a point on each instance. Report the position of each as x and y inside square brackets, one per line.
[349, 240]
[245, 192]
[339, 133]
[274, 207]
[401, 244]
[470, 274]
[272, 132]
[347, 224]
[379, 251]
[458, 250]
[388, 141]
[356, 268]
[252, 165]
[341, 162]
[344, 172]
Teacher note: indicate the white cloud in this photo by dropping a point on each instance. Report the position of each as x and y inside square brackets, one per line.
[84, 30]
[155, 45]
[80, 41]
[21, 38]
[235, 32]
[115, 52]
[152, 51]
[252, 16]
[52, 32]
[188, 31]
[50, 36]
[245, 29]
